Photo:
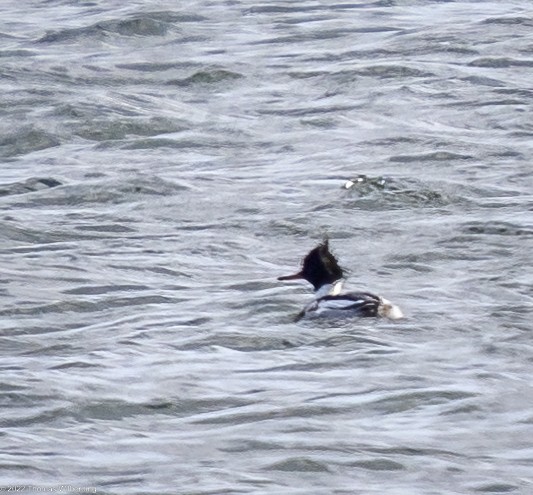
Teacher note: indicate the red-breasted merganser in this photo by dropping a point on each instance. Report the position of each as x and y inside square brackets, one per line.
[320, 268]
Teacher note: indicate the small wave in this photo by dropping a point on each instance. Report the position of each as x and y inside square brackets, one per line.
[213, 76]
[26, 140]
[391, 71]
[496, 228]
[27, 186]
[116, 129]
[50, 193]
[436, 156]
[483, 81]
[16, 53]
[378, 464]
[119, 409]
[145, 25]
[299, 464]
[104, 289]
[500, 62]
[86, 306]
[153, 66]
[496, 488]
[395, 193]
[506, 21]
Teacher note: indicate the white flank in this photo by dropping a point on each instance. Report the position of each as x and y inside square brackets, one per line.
[348, 184]
[389, 310]
[337, 288]
[333, 289]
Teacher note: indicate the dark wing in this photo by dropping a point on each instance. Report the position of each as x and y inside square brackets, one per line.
[362, 303]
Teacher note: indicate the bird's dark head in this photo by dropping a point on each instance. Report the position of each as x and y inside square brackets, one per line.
[319, 267]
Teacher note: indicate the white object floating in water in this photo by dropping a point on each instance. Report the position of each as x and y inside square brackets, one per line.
[379, 182]
[352, 182]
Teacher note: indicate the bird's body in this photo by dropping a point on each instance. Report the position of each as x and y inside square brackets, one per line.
[321, 269]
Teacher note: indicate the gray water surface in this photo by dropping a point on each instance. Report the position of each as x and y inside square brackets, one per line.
[164, 162]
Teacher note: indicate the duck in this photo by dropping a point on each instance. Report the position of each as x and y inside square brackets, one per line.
[321, 269]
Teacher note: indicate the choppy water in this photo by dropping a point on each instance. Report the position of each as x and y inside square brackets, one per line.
[163, 164]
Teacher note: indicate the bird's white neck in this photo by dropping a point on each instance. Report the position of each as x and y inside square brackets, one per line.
[333, 289]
